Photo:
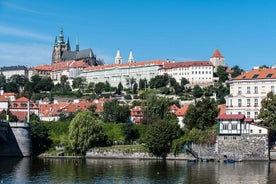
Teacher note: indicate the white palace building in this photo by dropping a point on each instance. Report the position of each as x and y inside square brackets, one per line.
[196, 72]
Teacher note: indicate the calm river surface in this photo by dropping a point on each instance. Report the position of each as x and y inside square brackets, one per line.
[28, 170]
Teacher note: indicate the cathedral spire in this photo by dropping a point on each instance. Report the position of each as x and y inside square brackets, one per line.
[130, 58]
[61, 37]
[77, 44]
[68, 43]
[56, 42]
[118, 58]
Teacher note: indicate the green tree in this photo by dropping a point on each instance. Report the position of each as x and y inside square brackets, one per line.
[134, 88]
[197, 91]
[236, 71]
[222, 74]
[184, 81]
[85, 132]
[159, 81]
[78, 83]
[130, 132]
[160, 136]
[201, 115]
[114, 112]
[99, 88]
[40, 137]
[267, 112]
[143, 84]
[2, 82]
[119, 88]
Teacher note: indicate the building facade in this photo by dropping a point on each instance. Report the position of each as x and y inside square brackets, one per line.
[247, 91]
[196, 72]
[14, 70]
[62, 52]
[116, 73]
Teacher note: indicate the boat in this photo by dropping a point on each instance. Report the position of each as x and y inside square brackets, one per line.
[229, 161]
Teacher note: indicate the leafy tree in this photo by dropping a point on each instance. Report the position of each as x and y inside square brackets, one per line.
[143, 84]
[85, 132]
[267, 112]
[184, 81]
[155, 108]
[119, 88]
[160, 136]
[201, 115]
[264, 66]
[134, 88]
[222, 74]
[236, 71]
[99, 88]
[221, 91]
[11, 117]
[159, 81]
[78, 82]
[3, 82]
[40, 137]
[130, 133]
[197, 91]
[114, 112]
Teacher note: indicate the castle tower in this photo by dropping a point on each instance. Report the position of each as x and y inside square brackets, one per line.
[118, 58]
[130, 58]
[59, 47]
[217, 59]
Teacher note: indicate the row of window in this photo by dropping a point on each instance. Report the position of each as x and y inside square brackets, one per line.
[256, 89]
[248, 102]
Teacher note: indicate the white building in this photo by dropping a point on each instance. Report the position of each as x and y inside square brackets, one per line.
[196, 72]
[116, 73]
[237, 124]
[14, 70]
[248, 90]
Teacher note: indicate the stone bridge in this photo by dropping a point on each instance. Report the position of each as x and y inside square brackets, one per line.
[15, 139]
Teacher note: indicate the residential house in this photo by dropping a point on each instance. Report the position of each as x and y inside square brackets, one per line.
[240, 138]
[248, 90]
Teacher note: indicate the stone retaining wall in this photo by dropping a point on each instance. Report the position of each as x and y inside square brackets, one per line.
[244, 147]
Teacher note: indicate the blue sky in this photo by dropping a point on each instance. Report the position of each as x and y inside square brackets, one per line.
[244, 31]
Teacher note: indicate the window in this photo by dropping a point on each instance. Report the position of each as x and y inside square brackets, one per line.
[248, 114]
[260, 131]
[272, 89]
[248, 102]
[251, 131]
[256, 89]
[231, 104]
[234, 138]
[239, 90]
[269, 75]
[255, 115]
[225, 126]
[256, 102]
[248, 89]
[234, 127]
[239, 102]
[255, 76]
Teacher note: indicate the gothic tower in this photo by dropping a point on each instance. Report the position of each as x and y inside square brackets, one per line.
[130, 58]
[59, 47]
[217, 60]
[118, 58]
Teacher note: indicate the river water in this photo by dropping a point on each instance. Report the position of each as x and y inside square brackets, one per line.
[31, 170]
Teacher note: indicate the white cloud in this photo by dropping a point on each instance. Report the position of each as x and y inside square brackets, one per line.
[22, 8]
[25, 54]
[23, 33]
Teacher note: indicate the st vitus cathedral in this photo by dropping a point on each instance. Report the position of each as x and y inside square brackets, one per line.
[62, 52]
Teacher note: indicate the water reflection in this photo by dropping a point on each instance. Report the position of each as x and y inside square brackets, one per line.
[27, 170]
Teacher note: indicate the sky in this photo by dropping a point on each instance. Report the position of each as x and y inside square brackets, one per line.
[182, 30]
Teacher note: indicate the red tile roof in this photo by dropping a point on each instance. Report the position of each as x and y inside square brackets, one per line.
[21, 115]
[144, 63]
[186, 64]
[231, 117]
[263, 73]
[43, 68]
[3, 99]
[173, 108]
[182, 111]
[78, 64]
[222, 109]
[217, 54]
